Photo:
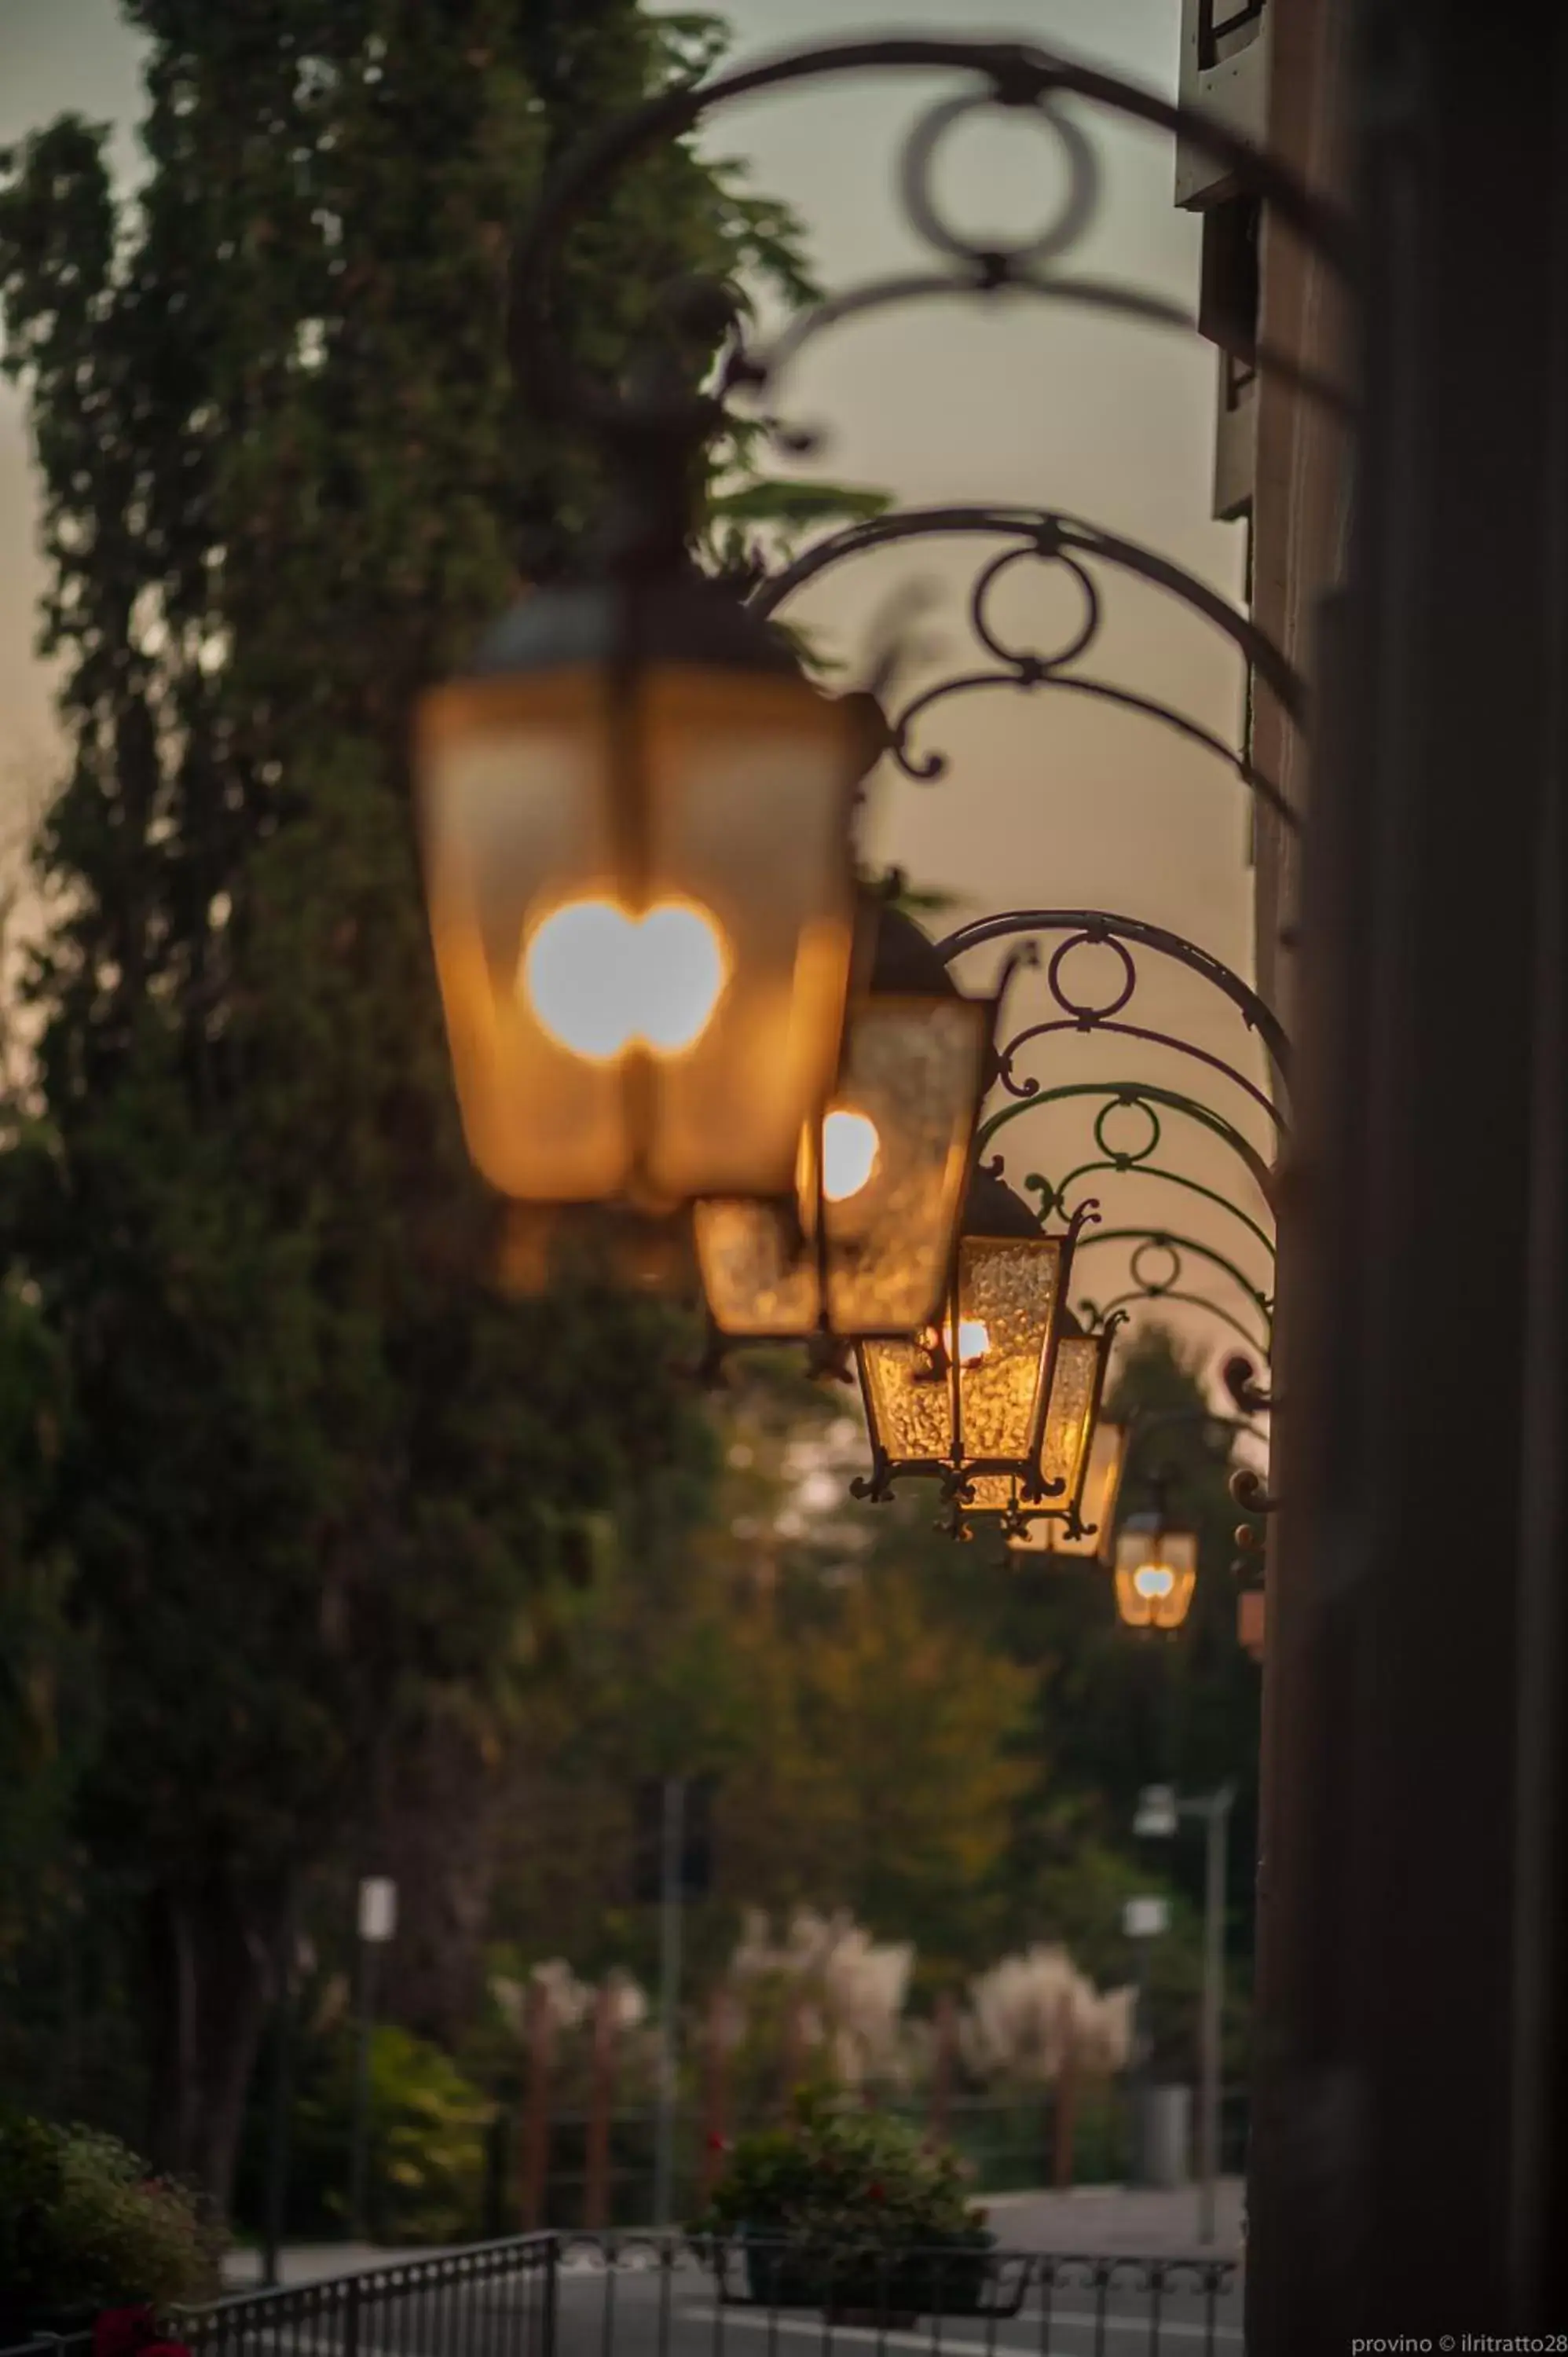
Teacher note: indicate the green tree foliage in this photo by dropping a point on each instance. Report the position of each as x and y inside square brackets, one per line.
[861, 1740]
[311, 1481]
[40, 1744]
[428, 2128]
[947, 1740]
[1115, 1709]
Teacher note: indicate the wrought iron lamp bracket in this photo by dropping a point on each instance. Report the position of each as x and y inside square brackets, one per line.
[1011, 75]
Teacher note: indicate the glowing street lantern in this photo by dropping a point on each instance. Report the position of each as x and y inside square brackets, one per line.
[636, 819]
[865, 1245]
[969, 1397]
[1156, 1571]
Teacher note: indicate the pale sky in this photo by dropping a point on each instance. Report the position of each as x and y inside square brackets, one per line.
[1050, 799]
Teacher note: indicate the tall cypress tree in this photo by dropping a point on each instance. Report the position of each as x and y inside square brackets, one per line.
[314, 1483]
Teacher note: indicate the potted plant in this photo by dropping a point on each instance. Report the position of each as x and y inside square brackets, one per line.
[852, 2211]
[84, 2227]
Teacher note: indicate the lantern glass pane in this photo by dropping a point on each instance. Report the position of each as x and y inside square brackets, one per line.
[905, 1103]
[913, 1070]
[750, 779]
[1074, 1385]
[515, 825]
[642, 922]
[1006, 1302]
[908, 1408]
[1102, 1488]
[758, 1273]
[1048, 1534]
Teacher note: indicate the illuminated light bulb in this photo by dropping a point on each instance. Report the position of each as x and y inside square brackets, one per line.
[850, 1150]
[973, 1341]
[601, 981]
[1154, 1579]
[682, 975]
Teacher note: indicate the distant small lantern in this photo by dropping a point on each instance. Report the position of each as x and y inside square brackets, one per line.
[1091, 1528]
[969, 1397]
[635, 819]
[865, 1246]
[1156, 1571]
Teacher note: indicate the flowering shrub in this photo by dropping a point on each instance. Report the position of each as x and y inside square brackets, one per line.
[1026, 2010]
[83, 2226]
[849, 1990]
[834, 2178]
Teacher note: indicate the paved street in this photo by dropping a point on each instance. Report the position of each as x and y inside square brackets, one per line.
[1115, 2218]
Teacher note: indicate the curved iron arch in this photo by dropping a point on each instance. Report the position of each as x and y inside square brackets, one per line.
[1051, 536]
[1094, 926]
[1170, 1288]
[1092, 1313]
[1046, 532]
[1134, 1164]
[1012, 75]
[1133, 1092]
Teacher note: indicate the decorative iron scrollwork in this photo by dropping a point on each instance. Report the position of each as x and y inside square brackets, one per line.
[1047, 536]
[1250, 1492]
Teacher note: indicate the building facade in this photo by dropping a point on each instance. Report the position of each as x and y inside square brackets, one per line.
[1409, 2173]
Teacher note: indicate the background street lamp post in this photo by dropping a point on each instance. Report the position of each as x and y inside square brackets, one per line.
[1158, 1809]
[1215, 1812]
[1142, 1919]
[377, 1923]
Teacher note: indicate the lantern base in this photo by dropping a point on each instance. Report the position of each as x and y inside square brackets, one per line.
[541, 1244]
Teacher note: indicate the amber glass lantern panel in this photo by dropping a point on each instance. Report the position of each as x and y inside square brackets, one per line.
[642, 904]
[882, 1191]
[970, 1396]
[1075, 1391]
[1156, 1573]
[1047, 1533]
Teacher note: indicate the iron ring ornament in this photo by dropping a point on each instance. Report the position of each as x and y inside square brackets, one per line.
[1051, 537]
[999, 263]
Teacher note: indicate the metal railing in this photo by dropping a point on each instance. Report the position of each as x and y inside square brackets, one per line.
[679, 2295]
